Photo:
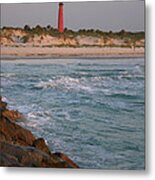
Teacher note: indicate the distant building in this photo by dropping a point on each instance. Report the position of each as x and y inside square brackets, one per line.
[60, 18]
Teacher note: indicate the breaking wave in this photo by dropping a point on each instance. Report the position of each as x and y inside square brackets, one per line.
[67, 83]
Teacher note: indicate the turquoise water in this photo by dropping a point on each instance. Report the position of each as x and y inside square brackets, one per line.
[92, 110]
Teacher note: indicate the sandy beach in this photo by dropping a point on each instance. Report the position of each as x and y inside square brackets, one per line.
[72, 52]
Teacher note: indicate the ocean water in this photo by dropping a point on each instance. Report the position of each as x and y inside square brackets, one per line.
[92, 110]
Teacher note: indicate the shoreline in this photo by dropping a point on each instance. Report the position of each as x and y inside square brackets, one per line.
[69, 53]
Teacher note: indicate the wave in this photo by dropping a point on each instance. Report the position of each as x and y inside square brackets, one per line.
[7, 75]
[56, 82]
[4, 99]
[37, 114]
[88, 84]
[65, 82]
[124, 96]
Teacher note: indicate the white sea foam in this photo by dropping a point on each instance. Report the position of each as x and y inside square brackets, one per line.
[100, 78]
[65, 83]
[37, 114]
[129, 76]
[7, 75]
[32, 124]
[31, 115]
[4, 99]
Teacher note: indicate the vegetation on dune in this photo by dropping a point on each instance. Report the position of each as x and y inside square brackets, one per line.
[24, 35]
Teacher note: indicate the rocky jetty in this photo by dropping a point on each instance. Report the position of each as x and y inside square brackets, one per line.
[19, 147]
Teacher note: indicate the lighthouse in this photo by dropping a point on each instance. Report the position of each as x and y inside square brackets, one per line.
[60, 18]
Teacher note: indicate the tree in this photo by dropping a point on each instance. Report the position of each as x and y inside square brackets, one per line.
[48, 27]
[27, 28]
[122, 31]
[65, 29]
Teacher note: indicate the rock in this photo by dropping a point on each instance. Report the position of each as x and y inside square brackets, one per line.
[12, 115]
[41, 145]
[8, 160]
[13, 133]
[66, 159]
[19, 147]
[9, 114]
[27, 156]
[3, 105]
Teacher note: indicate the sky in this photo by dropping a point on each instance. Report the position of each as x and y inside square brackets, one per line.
[106, 16]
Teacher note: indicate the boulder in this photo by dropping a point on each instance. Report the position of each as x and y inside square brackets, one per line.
[13, 133]
[3, 105]
[8, 160]
[27, 156]
[12, 115]
[9, 114]
[41, 145]
[66, 159]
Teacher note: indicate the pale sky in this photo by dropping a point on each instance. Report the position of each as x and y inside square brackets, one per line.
[116, 15]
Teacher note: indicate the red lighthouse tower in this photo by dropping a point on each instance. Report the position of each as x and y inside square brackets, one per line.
[60, 18]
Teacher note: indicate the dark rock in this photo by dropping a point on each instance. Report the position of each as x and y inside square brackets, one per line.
[66, 159]
[27, 156]
[3, 105]
[41, 145]
[9, 114]
[8, 160]
[12, 115]
[14, 133]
